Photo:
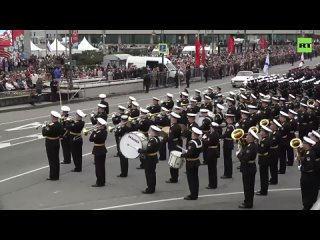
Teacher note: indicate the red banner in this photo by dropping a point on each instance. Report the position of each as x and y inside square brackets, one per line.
[5, 38]
[231, 44]
[203, 53]
[197, 52]
[263, 42]
[74, 38]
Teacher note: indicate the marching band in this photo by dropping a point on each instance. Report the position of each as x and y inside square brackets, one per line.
[266, 116]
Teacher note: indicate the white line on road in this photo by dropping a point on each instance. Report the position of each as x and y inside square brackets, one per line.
[34, 170]
[143, 99]
[181, 198]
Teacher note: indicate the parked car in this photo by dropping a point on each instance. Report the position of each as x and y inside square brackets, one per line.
[242, 79]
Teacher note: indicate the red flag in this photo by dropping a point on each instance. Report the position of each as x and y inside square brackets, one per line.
[263, 42]
[231, 44]
[197, 52]
[203, 53]
[74, 37]
[4, 53]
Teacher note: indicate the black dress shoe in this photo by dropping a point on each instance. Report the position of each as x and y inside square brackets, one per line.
[261, 194]
[272, 183]
[225, 177]
[147, 192]
[190, 198]
[96, 185]
[53, 179]
[120, 175]
[204, 163]
[289, 164]
[63, 162]
[211, 187]
[242, 205]
[281, 172]
[140, 167]
[74, 170]
[171, 181]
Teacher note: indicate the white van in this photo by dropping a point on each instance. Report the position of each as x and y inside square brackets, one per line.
[191, 50]
[152, 62]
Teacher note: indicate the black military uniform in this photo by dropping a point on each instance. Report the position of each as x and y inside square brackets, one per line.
[107, 106]
[198, 97]
[168, 104]
[241, 106]
[174, 139]
[154, 109]
[275, 110]
[76, 142]
[99, 151]
[232, 110]
[162, 121]
[312, 120]
[317, 118]
[218, 118]
[208, 106]
[151, 160]
[248, 169]
[245, 124]
[213, 153]
[265, 113]
[308, 181]
[293, 129]
[205, 127]
[227, 151]
[184, 119]
[284, 145]
[143, 126]
[133, 113]
[65, 141]
[188, 132]
[193, 109]
[303, 119]
[102, 115]
[119, 133]
[52, 132]
[274, 156]
[192, 166]
[264, 162]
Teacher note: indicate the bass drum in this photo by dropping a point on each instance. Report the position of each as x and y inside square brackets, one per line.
[199, 118]
[131, 142]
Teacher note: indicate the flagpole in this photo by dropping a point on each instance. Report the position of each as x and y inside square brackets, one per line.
[56, 43]
[45, 37]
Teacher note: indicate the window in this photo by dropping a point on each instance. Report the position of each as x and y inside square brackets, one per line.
[191, 39]
[171, 39]
[142, 39]
[111, 39]
[127, 39]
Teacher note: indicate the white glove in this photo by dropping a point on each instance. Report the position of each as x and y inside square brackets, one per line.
[204, 137]
[184, 150]
[91, 114]
[237, 125]
[113, 115]
[299, 167]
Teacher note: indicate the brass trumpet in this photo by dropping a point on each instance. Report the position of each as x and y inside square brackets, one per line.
[295, 143]
[255, 129]
[44, 124]
[86, 131]
[237, 134]
[264, 122]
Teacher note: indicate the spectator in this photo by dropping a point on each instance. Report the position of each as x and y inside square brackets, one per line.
[39, 86]
[110, 75]
[57, 73]
[54, 89]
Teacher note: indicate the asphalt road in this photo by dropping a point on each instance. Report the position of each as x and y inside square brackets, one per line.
[24, 168]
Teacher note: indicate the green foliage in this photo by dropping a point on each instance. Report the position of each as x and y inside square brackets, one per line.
[88, 58]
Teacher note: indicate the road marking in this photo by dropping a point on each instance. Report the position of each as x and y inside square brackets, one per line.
[4, 145]
[143, 99]
[181, 198]
[38, 135]
[38, 169]
[33, 125]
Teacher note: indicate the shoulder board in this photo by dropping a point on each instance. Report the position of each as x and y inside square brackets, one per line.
[197, 145]
[50, 124]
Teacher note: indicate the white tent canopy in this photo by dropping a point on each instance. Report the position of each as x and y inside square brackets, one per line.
[53, 46]
[35, 48]
[86, 46]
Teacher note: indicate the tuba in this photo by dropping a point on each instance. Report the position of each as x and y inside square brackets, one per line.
[255, 129]
[264, 122]
[237, 134]
[295, 143]
[311, 102]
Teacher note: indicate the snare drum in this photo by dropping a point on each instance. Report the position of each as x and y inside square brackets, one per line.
[131, 142]
[175, 160]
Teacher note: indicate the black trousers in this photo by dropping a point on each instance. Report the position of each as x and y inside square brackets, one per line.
[188, 82]
[53, 96]
[147, 88]
[124, 165]
[99, 163]
[163, 151]
[66, 149]
[283, 156]
[248, 179]
[76, 151]
[52, 149]
[212, 170]
[150, 172]
[273, 166]
[227, 157]
[309, 189]
[264, 178]
[290, 155]
[118, 144]
[204, 154]
[193, 181]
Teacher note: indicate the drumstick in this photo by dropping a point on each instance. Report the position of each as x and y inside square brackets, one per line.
[185, 150]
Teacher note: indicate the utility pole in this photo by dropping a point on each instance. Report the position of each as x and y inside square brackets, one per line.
[56, 43]
[104, 41]
[245, 40]
[70, 84]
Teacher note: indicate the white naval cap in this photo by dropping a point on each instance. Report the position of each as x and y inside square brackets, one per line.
[243, 96]
[155, 128]
[303, 104]
[102, 95]
[276, 123]
[229, 115]
[274, 98]
[207, 98]
[169, 95]
[293, 112]
[157, 99]
[253, 96]
[196, 130]
[284, 114]
[55, 114]
[309, 141]
[252, 107]
[230, 99]
[193, 100]
[316, 134]
[185, 94]
[210, 88]
[65, 109]
[219, 95]
[265, 128]
[177, 107]
[265, 100]
[197, 91]
[124, 117]
[204, 110]
[173, 114]
[143, 110]
[220, 106]
[102, 105]
[214, 124]
[164, 109]
[191, 114]
[121, 107]
[282, 99]
[253, 134]
[262, 95]
[242, 89]
[80, 113]
[290, 95]
[245, 112]
[132, 98]
[102, 121]
[134, 103]
[232, 93]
